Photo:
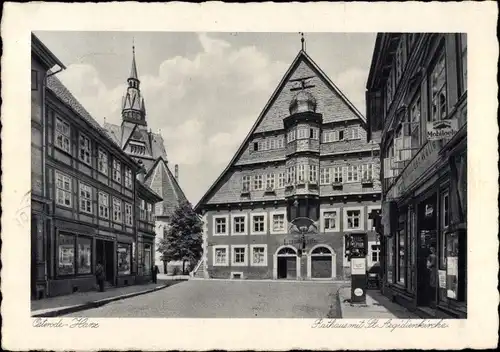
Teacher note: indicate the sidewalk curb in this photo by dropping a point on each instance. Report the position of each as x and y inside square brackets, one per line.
[48, 313]
[340, 302]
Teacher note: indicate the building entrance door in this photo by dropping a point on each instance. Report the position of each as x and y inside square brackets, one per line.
[427, 259]
[105, 256]
[287, 264]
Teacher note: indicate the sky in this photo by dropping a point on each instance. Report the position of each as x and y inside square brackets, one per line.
[202, 91]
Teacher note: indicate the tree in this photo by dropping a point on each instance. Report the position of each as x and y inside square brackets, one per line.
[183, 240]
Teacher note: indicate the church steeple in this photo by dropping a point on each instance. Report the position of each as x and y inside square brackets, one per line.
[133, 108]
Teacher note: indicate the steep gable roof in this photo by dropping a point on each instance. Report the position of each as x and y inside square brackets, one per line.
[301, 57]
[162, 181]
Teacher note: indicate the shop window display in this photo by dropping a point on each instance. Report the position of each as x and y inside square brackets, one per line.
[84, 255]
[147, 259]
[66, 263]
[124, 262]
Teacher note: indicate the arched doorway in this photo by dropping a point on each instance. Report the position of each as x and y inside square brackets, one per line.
[286, 263]
[321, 264]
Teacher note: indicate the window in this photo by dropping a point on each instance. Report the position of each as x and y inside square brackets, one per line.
[302, 133]
[330, 220]
[245, 183]
[85, 198]
[128, 178]
[355, 133]
[291, 175]
[301, 173]
[369, 225]
[85, 149]
[313, 133]
[270, 182]
[34, 80]
[400, 60]
[258, 182]
[278, 223]
[220, 255]
[117, 210]
[159, 208]
[352, 173]
[142, 210]
[375, 253]
[415, 125]
[263, 145]
[128, 214]
[367, 172]
[239, 225]
[255, 146]
[84, 255]
[324, 176]
[280, 143]
[438, 91]
[220, 225]
[149, 212]
[102, 161]
[63, 189]
[117, 174]
[463, 60]
[103, 205]
[123, 258]
[353, 219]
[389, 91]
[389, 170]
[313, 174]
[337, 174]
[259, 224]
[239, 255]
[340, 135]
[333, 136]
[63, 134]
[281, 180]
[66, 260]
[259, 255]
[271, 143]
[291, 135]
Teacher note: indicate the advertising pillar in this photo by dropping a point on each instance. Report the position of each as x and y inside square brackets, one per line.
[358, 244]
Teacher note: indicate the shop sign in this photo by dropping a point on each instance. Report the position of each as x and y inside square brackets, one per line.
[442, 278]
[416, 168]
[442, 129]
[358, 292]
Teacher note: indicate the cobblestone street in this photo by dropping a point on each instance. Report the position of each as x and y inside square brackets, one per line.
[228, 299]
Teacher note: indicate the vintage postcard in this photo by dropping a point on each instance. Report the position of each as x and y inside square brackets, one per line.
[253, 176]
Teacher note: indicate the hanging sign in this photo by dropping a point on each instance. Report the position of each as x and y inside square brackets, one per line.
[442, 129]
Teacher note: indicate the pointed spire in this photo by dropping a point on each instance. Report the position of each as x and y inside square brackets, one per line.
[302, 41]
[133, 70]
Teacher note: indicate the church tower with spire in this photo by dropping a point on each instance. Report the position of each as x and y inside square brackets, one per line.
[133, 108]
[148, 149]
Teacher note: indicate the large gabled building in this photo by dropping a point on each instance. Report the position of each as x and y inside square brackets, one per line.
[147, 148]
[306, 156]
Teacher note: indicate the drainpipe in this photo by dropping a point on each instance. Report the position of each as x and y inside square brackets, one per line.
[44, 172]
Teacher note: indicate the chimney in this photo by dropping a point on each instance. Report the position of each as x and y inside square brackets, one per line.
[177, 172]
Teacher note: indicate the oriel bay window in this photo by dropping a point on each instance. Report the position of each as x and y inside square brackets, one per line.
[103, 205]
[290, 175]
[102, 161]
[124, 259]
[301, 173]
[84, 149]
[313, 174]
[63, 135]
[281, 180]
[85, 198]
[117, 210]
[63, 189]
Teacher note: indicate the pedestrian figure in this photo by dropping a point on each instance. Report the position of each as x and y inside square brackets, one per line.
[99, 274]
[154, 273]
